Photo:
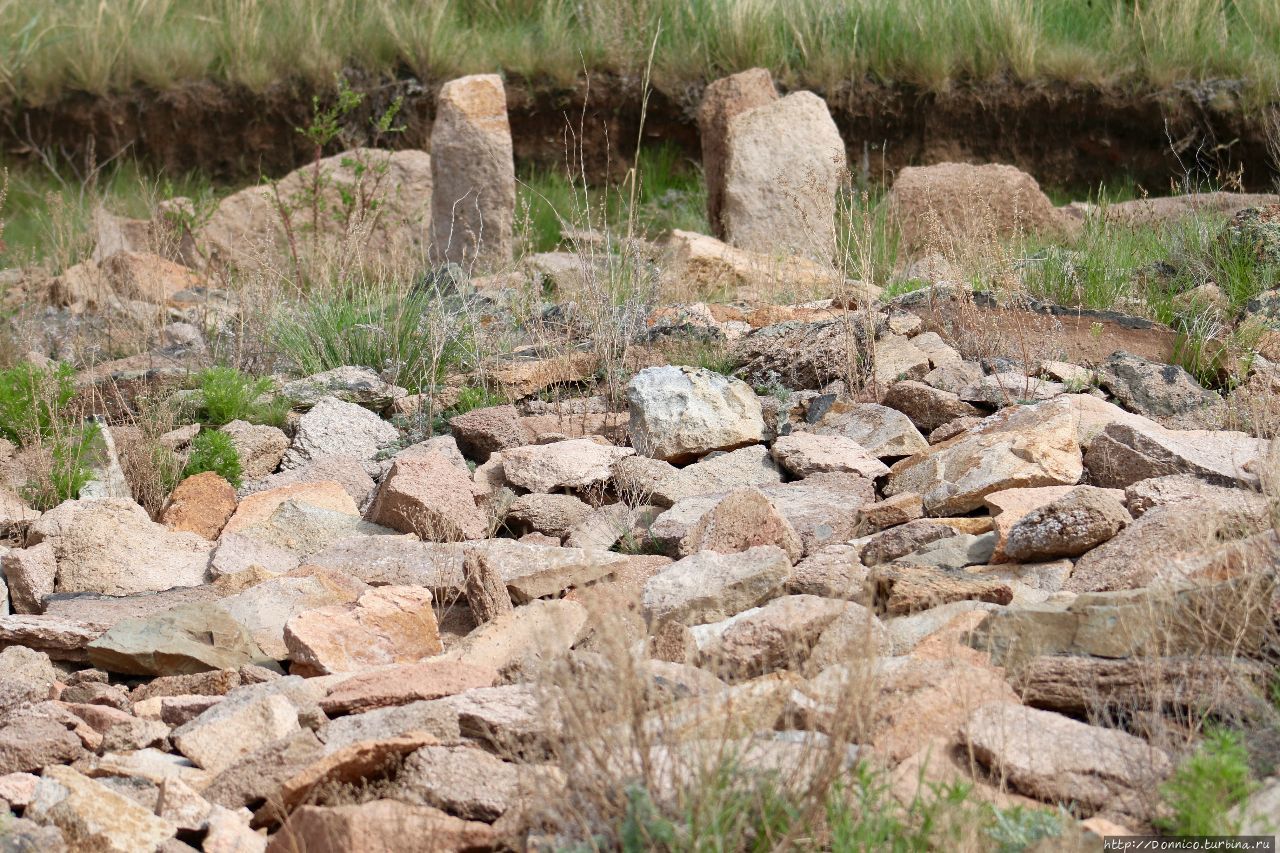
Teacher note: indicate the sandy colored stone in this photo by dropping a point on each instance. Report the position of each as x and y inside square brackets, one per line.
[723, 100]
[201, 505]
[473, 173]
[486, 591]
[579, 463]
[708, 587]
[259, 446]
[257, 508]
[804, 453]
[380, 826]
[400, 685]
[94, 817]
[680, 413]
[1008, 506]
[428, 495]
[1068, 526]
[742, 520]
[31, 574]
[392, 624]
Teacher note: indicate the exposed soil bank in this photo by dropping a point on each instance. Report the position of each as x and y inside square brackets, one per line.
[1067, 136]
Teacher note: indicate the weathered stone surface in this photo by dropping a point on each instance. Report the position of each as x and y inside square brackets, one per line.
[952, 552]
[578, 463]
[259, 775]
[266, 607]
[881, 431]
[1165, 393]
[350, 765]
[359, 385]
[718, 471]
[248, 719]
[400, 685]
[26, 676]
[777, 635]
[396, 560]
[94, 817]
[723, 100]
[1081, 685]
[347, 471]
[428, 495]
[59, 637]
[784, 164]
[508, 719]
[1067, 526]
[740, 521]
[473, 173]
[187, 639]
[960, 202]
[464, 781]
[1124, 562]
[1009, 506]
[486, 591]
[257, 508]
[1158, 491]
[708, 587]
[926, 406]
[336, 428]
[434, 718]
[201, 505]
[601, 529]
[807, 453]
[1009, 388]
[1019, 447]
[300, 529]
[1125, 453]
[835, 571]
[702, 266]
[259, 446]
[679, 413]
[890, 512]
[481, 432]
[854, 634]
[517, 643]
[30, 743]
[553, 515]
[379, 826]
[31, 574]
[246, 225]
[111, 546]
[898, 590]
[387, 625]
[1057, 759]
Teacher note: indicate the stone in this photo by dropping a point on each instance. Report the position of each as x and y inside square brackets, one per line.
[958, 203]
[703, 266]
[396, 560]
[259, 446]
[740, 521]
[246, 226]
[899, 590]
[201, 504]
[257, 508]
[482, 432]
[718, 471]
[236, 727]
[579, 463]
[336, 428]
[15, 515]
[432, 718]
[473, 173]
[895, 359]
[1164, 392]
[823, 508]
[379, 826]
[890, 512]
[179, 710]
[26, 677]
[111, 546]
[835, 571]
[1175, 488]
[442, 445]
[854, 634]
[881, 431]
[1125, 453]
[94, 817]
[554, 515]
[1009, 506]
[777, 635]
[359, 385]
[680, 413]
[1257, 815]
[1019, 447]
[405, 683]
[722, 101]
[429, 496]
[1057, 759]
[486, 591]
[347, 471]
[265, 608]
[1067, 527]
[26, 835]
[349, 765]
[31, 574]
[187, 639]
[708, 587]
[519, 642]
[807, 453]
[120, 730]
[1124, 562]
[30, 743]
[1009, 388]
[464, 781]
[784, 165]
[16, 789]
[603, 527]
[145, 277]
[295, 530]
[258, 776]
[386, 625]
[926, 406]
[952, 552]
[510, 719]
[58, 637]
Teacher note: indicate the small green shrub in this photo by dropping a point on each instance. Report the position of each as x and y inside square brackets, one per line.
[228, 395]
[67, 469]
[32, 400]
[475, 397]
[214, 451]
[1015, 829]
[1206, 786]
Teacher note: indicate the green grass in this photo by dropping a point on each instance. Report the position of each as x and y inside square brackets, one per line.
[214, 451]
[1206, 786]
[228, 395]
[48, 49]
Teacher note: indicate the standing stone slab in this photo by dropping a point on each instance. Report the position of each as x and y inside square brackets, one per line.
[724, 100]
[473, 173]
[784, 164]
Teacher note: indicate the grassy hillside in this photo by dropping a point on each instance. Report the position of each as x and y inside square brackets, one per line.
[56, 46]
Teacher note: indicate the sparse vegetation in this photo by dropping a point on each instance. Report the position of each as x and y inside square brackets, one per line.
[214, 451]
[226, 395]
[1207, 785]
[36, 414]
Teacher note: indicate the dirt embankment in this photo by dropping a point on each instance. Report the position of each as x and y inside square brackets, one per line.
[1064, 135]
